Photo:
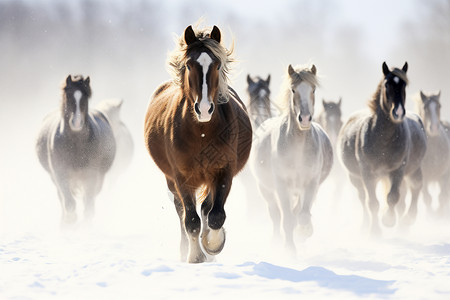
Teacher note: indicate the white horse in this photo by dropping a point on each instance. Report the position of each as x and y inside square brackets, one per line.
[291, 157]
[436, 163]
[124, 141]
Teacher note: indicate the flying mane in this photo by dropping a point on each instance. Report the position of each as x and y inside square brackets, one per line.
[374, 103]
[301, 74]
[177, 60]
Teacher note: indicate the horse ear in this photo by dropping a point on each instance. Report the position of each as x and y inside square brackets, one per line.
[340, 101]
[405, 67]
[215, 34]
[268, 79]
[249, 79]
[189, 35]
[87, 80]
[291, 70]
[385, 69]
[422, 96]
[313, 69]
[69, 80]
[439, 94]
[324, 103]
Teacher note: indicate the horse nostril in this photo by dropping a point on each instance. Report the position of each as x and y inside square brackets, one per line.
[197, 108]
[310, 118]
[300, 118]
[211, 109]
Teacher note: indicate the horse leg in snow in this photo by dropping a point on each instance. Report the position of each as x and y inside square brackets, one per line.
[213, 238]
[427, 198]
[68, 203]
[287, 220]
[415, 183]
[401, 205]
[304, 216]
[359, 185]
[444, 207]
[184, 245]
[92, 186]
[374, 205]
[396, 178]
[192, 222]
[274, 210]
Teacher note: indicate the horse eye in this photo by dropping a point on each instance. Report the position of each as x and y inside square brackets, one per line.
[218, 66]
[188, 67]
[293, 91]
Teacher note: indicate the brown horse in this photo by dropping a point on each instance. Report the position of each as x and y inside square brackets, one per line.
[385, 143]
[198, 132]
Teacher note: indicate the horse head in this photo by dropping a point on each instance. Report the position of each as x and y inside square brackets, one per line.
[393, 92]
[303, 87]
[431, 111]
[258, 88]
[332, 113]
[202, 72]
[76, 93]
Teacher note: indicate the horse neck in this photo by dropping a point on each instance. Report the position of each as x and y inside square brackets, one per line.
[383, 123]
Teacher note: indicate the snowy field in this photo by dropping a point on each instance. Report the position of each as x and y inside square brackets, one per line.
[131, 250]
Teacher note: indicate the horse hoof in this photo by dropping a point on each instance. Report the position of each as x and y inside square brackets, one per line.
[389, 219]
[197, 259]
[213, 241]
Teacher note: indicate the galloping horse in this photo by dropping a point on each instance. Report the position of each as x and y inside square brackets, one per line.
[199, 134]
[436, 163]
[259, 106]
[385, 143]
[76, 147]
[292, 156]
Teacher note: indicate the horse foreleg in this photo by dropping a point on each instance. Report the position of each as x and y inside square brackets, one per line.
[415, 183]
[68, 203]
[274, 210]
[184, 245]
[427, 199]
[304, 217]
[390, 217]
[359, 185]
[92, 187]
[374, 205]
[444, 205]
[213, 237]
[287, 219]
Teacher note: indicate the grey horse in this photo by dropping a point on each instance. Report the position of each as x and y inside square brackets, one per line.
[76, 147]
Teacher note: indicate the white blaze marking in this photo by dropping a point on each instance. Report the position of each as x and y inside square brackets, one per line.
[77, 118]
[433, 116]
[396, 79]
[205, 61]
[304, 89]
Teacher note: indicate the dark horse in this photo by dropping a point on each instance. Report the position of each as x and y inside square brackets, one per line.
[259, 106]
[199, 134]
[76, 147]
[385, 143]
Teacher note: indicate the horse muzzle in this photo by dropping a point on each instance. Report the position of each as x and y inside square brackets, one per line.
[398, 113]
[204, 110]
[76, 122]
[304, 122]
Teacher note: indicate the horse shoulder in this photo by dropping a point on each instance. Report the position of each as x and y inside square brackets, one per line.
[49, 127]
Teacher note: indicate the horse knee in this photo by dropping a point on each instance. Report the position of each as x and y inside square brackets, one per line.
[216, 219]
[393, 197]
[192, 224]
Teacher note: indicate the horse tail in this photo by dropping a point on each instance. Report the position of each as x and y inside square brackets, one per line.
[202, 193]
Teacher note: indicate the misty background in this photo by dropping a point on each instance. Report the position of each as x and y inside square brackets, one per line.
[122, 45]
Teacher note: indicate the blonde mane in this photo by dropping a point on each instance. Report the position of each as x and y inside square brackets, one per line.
[291, 81]
[176, 60]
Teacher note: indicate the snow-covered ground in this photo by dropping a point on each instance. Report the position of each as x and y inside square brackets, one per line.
[131, 250]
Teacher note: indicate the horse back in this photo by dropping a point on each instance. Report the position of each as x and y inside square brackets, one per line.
[245, 133]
